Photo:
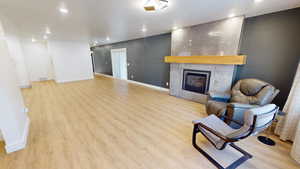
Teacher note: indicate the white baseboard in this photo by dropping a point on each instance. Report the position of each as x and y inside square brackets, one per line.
[73, 80]
[135, 82]
[25, 86]
[21, 144]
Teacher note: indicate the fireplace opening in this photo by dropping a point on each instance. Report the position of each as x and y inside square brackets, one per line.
[196, 81]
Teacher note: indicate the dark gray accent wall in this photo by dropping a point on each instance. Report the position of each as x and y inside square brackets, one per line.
[145, 57]
[102, 60]
[272, 44]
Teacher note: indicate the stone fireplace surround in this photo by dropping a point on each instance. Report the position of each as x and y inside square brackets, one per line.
[219, 38]
[220, 80]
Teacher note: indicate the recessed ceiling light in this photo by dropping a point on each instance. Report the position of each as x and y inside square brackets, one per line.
[108, 39]
[45, 37]
[175, 28]
[231, 15]
[48, 30]
[258, 1]
[63, 10]
[144, 30]
[33, 40]
[214, 33]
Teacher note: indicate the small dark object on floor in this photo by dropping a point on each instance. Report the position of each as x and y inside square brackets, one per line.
[266, 140]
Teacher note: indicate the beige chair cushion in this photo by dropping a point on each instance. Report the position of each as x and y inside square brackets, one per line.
[216, 124]
[217, 108]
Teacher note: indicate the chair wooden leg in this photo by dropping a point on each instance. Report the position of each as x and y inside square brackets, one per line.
[196, 130]
[234, 165]
[241, 160]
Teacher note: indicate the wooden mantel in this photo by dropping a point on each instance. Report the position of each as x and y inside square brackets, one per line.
[224, 60]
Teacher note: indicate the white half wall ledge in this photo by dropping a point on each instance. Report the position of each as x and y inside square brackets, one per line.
[14, 122]
[19, 144]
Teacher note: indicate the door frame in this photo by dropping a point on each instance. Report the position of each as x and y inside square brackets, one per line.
[120, 50]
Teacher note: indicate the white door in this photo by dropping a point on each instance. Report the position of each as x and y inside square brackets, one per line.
[119, 63]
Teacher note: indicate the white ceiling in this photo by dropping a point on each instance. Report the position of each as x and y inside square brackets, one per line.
[124, 19]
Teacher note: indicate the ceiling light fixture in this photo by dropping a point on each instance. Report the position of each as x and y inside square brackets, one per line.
[144, 30]
[48, 31]
[33, 40]
[258, 1]
[175, 28]
[153, 5]
[108, 39]
[63, 10]
[163, 4]
[45, 37]
[231, 15]
[214, 33]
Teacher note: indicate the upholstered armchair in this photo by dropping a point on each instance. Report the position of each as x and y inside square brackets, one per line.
[245, 94]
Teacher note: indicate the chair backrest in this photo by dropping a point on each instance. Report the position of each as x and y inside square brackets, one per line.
[255, 121]
[262, 117]
[253, 91]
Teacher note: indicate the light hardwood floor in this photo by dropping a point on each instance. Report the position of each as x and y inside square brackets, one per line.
[110, 124]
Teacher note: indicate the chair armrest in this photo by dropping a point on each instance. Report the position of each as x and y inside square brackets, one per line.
[241, 106]
[235, 111]
[214, 132]
[227, 119]
[219, 96]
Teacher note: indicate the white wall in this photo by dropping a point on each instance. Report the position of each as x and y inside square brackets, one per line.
[16, 52]
[14, 122]
[71, 60]
[38, 60]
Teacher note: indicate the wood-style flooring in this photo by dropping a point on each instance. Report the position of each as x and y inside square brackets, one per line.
[111, 124]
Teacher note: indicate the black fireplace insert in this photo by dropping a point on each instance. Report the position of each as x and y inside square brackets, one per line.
[196, 81]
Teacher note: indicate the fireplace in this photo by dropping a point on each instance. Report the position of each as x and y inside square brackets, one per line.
[196, 81]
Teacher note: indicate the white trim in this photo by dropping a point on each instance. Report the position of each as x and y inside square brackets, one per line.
[135, 82]
[119, 50]
[25, 86]
[148, 85]
[73, 80]
[1, 137]
[116, 59]
[21, 144]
